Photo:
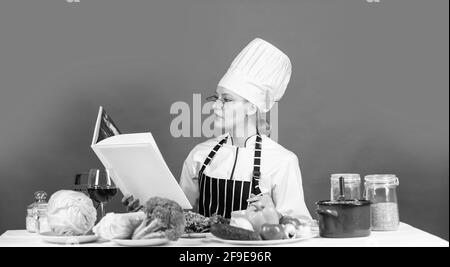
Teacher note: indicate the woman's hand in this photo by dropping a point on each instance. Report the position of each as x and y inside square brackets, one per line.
[260, 202]
[132, 204]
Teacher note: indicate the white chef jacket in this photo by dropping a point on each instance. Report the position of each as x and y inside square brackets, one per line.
[280, 172]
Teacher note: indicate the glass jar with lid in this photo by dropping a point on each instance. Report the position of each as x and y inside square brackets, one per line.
[35, 210]
[41, 211]
[381, 191]
[352, 186]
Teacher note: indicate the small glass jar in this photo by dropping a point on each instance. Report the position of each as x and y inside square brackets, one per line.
[36, 220]
[352, 184]
[31, 218]
[381, 191]
[41, 211]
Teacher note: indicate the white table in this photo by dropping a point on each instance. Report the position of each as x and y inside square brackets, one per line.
[406, 236]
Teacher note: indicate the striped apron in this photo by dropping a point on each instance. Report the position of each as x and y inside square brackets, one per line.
[222, 196]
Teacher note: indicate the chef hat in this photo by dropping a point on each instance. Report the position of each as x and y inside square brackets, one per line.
[260, 74]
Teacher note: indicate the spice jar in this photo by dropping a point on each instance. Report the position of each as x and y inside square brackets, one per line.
[381, 191]
[352, 186]
[31, 218]
[37, 214]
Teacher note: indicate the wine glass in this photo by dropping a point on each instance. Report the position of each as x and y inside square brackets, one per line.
[101, 188]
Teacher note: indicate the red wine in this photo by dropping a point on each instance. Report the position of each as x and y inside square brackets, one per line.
[101, 194]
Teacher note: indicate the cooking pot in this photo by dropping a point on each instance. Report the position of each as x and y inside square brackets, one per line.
[344, 218]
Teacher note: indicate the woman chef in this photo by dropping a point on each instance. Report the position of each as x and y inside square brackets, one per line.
[225, 173]
[244, 165]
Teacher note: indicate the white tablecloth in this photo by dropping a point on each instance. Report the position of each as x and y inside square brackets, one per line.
[406, 236]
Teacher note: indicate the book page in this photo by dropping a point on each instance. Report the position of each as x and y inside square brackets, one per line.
[126, 139]
[139, 168]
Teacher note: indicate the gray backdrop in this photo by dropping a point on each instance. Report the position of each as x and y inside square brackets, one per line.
[369, 91]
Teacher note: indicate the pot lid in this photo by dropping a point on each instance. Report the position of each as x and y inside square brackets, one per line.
[346, 202]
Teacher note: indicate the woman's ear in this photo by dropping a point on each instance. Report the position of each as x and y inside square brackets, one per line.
[251, 109]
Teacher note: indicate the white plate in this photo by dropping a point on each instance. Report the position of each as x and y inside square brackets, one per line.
[195, 235]
[261, 242]
[52, 237]
[141, 242]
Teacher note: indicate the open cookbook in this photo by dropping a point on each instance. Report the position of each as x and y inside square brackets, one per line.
[138, 167]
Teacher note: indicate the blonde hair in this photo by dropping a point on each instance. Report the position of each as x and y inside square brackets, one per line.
[262, 126]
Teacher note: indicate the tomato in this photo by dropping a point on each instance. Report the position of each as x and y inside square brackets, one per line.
[272, 231]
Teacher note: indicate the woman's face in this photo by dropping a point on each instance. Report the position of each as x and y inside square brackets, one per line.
[230, 109]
